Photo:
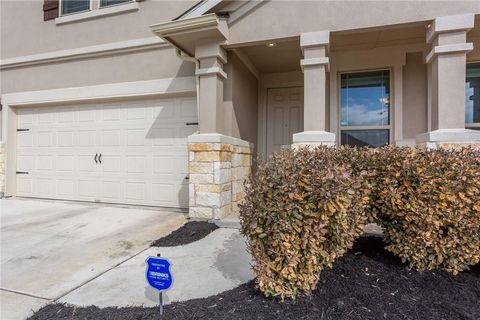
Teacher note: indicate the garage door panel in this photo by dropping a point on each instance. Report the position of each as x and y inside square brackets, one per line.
[135, 190]
[87, 138]
[143, 147]
[24, 186]
[45, 187]
[45, 139]
[88, 188]
[111, 137]
[67, 188]
[112, 191]
[65, 163]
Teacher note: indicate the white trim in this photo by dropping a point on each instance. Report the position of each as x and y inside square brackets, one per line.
[104, 91]
[100, 12]
[211, 71]
[449, 48]
[314, 62]
[83, 52]
[449, 135]
[199, 10]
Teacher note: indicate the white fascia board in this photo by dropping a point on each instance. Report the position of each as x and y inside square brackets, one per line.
[83, 52]
[181, 85]
[200, 9]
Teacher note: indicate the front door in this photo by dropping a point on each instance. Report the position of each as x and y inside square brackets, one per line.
[284, 117]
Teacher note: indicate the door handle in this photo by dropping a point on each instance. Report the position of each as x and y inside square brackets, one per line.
[100, 158]
[95, 158]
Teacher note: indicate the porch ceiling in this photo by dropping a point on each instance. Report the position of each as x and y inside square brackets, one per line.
[285, 56]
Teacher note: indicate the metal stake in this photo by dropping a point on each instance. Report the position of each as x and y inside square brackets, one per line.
[160, 305]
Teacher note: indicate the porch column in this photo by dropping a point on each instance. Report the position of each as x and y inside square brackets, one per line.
[447, 71]
[314, 66]
[218, 164]
[211, 57]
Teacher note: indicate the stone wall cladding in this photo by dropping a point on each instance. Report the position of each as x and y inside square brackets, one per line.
[217, 171]
[2, 169]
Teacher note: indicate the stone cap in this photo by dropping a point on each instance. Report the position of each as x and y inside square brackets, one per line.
[218, 138]
[449, 135]
[314, 137]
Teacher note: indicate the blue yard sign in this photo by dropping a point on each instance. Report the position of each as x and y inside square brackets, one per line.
[158, 273]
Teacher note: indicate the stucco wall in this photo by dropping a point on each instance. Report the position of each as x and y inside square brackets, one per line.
[153, 64]
[241, 99]
[414, 96]
[33, 35]
[280, 19]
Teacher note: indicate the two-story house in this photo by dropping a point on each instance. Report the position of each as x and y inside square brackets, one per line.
[163, 103]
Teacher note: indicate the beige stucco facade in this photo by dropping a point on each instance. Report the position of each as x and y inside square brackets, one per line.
[235, 57]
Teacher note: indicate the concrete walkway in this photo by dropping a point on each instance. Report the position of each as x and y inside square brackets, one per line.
[49, 249]
[214, 264]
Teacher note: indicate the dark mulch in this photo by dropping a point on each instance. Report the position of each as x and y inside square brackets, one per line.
[367, 283]
[188, 233]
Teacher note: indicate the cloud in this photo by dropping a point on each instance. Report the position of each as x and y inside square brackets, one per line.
[361, 115]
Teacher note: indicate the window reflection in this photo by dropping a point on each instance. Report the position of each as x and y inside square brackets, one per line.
[472, 94]
[365, 98]
[365, 108]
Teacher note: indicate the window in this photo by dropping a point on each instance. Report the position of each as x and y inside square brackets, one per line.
[472, 96]
[365, 108]
[107, 3]
[73, 6]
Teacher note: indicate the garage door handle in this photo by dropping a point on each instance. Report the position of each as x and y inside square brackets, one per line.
[100, 158]
[96, 154]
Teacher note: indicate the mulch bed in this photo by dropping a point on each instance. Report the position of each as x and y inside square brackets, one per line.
[188, 233]
[367, 283]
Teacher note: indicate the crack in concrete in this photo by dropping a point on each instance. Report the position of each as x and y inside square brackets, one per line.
[24, 294]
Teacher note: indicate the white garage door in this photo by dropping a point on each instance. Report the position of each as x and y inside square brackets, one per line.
[123, 152]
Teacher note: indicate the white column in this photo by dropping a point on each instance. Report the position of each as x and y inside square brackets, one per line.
[314, 66]
[447, 71]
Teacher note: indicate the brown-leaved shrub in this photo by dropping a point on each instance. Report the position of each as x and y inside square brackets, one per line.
[302, 211]
[428, 203]
[305, 208]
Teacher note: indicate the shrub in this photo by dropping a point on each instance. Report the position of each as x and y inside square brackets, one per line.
[303, 210]
[428, 203]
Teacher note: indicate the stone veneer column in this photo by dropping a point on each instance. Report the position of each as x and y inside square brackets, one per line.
[314, 66]
[447, 72]
[2, 169]
[218, 167]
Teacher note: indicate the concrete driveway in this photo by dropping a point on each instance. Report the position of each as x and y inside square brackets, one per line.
[49, 249]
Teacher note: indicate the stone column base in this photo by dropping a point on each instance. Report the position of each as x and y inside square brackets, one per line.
[218, 166]
[313, 138]
[449, 138]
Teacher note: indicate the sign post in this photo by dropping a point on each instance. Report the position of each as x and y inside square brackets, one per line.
[159, 276]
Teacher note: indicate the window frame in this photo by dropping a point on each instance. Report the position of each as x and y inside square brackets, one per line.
[113, 5]
[60, 9]
[388, 127]
[473, 125]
